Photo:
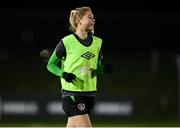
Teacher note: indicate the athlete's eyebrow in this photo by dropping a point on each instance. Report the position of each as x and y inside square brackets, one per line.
[90, 16]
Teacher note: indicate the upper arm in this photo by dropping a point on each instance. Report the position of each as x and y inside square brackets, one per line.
[100, 57]
[60, 50]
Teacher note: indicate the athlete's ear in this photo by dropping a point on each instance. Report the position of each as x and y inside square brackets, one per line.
[78, 21]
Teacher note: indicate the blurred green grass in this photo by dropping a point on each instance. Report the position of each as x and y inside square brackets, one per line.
[101, 123]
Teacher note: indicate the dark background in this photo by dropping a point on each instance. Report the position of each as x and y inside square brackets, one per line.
[140, 40]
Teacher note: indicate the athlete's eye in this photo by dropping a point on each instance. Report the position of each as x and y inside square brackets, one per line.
[90, 17]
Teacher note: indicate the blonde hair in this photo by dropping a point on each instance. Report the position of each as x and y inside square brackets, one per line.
[75, 16]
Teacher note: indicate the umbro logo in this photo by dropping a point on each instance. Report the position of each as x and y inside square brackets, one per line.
[88, 55]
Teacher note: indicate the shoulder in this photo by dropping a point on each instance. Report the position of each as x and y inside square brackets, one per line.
[67, 37]
[97, 39]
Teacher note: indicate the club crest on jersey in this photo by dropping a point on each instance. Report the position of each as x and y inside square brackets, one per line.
[81, 106]
[88, 55]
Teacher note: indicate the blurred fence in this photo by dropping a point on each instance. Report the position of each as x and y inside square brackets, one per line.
[19, 107]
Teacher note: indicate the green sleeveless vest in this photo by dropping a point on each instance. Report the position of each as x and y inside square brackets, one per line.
[80, 60]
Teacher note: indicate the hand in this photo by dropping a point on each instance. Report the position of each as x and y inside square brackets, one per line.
[107, 68]
[69, 77]
[93, 72]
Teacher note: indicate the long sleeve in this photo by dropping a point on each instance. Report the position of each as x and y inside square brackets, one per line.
[55, 58]
[52, 65]
[102, 66]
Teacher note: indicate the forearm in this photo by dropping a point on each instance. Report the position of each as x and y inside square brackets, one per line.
[100, 68]
[52, 65]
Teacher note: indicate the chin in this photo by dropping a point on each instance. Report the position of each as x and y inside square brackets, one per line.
[90, 29]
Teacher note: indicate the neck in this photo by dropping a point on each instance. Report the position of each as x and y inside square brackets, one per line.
[82, 34]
